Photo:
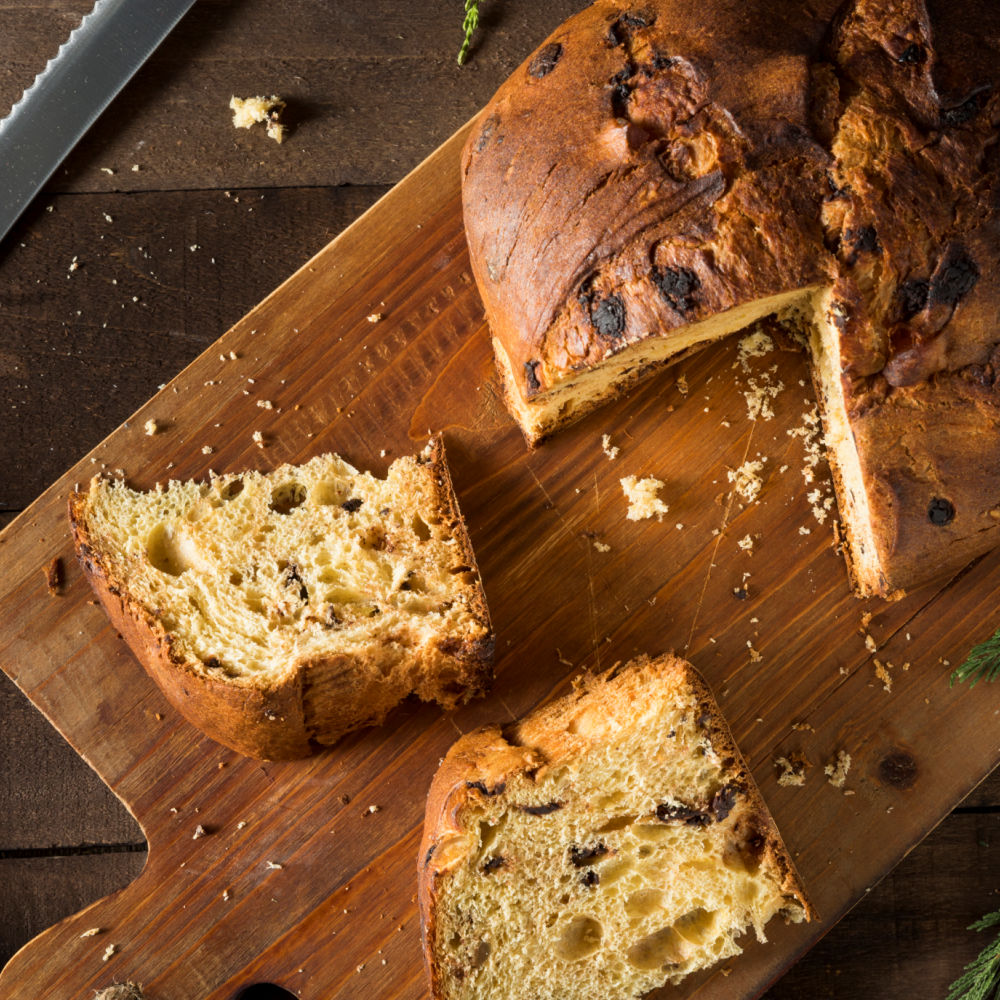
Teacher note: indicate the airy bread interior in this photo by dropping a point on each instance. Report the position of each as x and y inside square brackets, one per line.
[255, 575]
[636, 855]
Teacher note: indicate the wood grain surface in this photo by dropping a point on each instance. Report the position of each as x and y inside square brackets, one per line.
[69, 378]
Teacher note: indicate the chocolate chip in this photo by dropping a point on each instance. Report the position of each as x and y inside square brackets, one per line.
[912, 297]
[493, 864]
[912, 54]
[590, 878]
[677, 285]
[608, 317]
[723, 801]
[545, 60]
[581, 857]
[681, 813]
[353, 505]
[531, 376]
[954, 278]
[543, 810]
[480, 786]
[959, 114]
[940, 511]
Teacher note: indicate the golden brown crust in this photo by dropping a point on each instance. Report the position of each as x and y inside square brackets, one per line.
[632, 178]
[483, 763]
[318, 702]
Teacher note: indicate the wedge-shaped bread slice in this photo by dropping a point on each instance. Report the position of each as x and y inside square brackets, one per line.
[282, 611]
[608, 844]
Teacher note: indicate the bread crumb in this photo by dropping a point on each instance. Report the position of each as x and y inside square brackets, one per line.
[150, 427]
[273, 866]
[248, 111]
[803, 727]
[755, 657]
[226, 896]
[793, 770]
[106, 170]
[91, 932]
[882, 673]
[870, 644]
[601, 547]
[242, 823]
[836, 770]
[374, 317]
[755, 345]
[682, 384]
[746, 479]
[109, 951]
[372, 809]
[207, 450]
[803, 530]
[53, 571]
[199, 832]
[258, 439]
[265, 404]
[642, 498]
[610, 450]
[865, 619]
[746, 544]
[135, 168]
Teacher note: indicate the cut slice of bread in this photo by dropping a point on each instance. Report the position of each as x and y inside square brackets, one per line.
[608, 844]
[281, 611]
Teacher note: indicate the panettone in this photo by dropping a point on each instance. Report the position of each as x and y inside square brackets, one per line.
[607, 844]
[657, 176]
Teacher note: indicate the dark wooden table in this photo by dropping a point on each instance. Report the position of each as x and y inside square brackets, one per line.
[178, 224]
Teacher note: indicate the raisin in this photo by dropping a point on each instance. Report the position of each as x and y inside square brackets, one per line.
[912, 54]
[292, 577]
[608, 317]
[486, 133]
[493, 864]
[580, 857]
[480, 786]
[590, 878]
[545, 60]
[213, 663]
[681, 813]
[661, 62]
[531, 376]
[864, 239]
[912, 296]
[940, 511]
[542, 810]
[723, 801]
[620, 93]
[353, 505]
[677, 285]
[954, 279]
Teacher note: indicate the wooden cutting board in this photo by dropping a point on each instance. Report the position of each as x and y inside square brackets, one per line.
[296, 881]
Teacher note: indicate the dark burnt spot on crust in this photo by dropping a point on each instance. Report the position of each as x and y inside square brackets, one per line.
[724, 800]
[912, 55]
[590, 878]
[544, 61]
[542, 810]
[670, 812]
[493, 864]
[429, 854]
[486, 133]
[965, 111]
[677, 285]
[581, 857]
[480, 786]
[622, 28]
[353, 505]
[864, 239]
[608, 317]
[897, 769]
[955, 277]
[531, 376]
[912, 297]
[940, 511]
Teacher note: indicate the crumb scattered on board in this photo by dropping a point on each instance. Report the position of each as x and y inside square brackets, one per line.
[601, 546]
[109, 951]
[642, 498]
[882, 673]
[608, 448]
[746, 479]
[250, 110]
[53, 571]
[151, 427]
[91, 932]
[836, 770]
[792, 769]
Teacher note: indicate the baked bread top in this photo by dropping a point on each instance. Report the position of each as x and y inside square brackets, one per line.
[608, 843]
[281, 611]
[657, 175]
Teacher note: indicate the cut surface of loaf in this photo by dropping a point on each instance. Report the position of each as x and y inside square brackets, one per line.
[609, 843]
[278, 611]
[660, 175]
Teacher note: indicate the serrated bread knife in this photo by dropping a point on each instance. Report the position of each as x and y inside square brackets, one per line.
[91, 66]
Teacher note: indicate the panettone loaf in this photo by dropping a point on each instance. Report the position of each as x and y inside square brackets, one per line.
[609, 843]
[658, 175]
[278, 612]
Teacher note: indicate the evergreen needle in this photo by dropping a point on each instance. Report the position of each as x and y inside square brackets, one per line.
[469, 26]
[981, 978]
[983, 663]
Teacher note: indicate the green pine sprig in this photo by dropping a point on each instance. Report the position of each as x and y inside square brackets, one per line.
[982, 664]
[469, 26]
[981, 978]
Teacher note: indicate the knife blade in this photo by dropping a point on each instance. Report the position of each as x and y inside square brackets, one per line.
[88, 71]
